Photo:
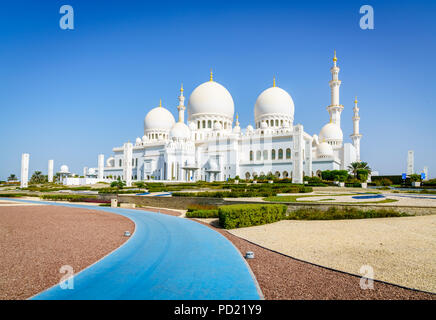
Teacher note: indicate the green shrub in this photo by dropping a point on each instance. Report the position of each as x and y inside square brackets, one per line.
[12, 195]
[246, 215]
[334, 213]
[194, 207]
[69, 197]
[335, 175]
[203, 213]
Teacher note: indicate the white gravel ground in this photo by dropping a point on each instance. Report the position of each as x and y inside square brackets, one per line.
[400, 250]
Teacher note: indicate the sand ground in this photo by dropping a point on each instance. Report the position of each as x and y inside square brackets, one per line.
[400, 250]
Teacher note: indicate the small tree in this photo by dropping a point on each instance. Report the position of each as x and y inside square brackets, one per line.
[38, 177]
[362, 175]
[415, 177]
[355, 166]
[12, 177]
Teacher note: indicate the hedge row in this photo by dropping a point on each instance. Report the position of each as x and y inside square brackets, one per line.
[213, 213]
[246, 215]
[72, 198]
[12, 195]
[334, 213]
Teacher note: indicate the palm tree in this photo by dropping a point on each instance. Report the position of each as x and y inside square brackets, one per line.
[355, 166]
[37, 177]
[12, 177]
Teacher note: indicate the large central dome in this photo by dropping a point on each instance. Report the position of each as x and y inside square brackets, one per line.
[274, 101]
[211, 98]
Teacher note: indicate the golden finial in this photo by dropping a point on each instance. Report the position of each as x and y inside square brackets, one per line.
[355, 100]
[181, 88]
[237, 117]
[334, 58]
[274, 81]
[160, 103]
[211, 75]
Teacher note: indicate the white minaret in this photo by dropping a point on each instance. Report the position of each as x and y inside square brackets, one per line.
[181, 106]
[100, 166]
[410, 162]
[128, 155]
[335, 108]
[356, 136]
[24, 170]
[425, 170]
[50, 170]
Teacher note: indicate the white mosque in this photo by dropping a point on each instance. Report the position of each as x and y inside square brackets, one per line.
[213, 147]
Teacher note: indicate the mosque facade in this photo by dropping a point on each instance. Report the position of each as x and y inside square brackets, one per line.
[211, 146]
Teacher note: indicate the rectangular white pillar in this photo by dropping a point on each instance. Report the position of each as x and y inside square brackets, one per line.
[85, 171]
[298, 155]
[100, 166]
[410, 162]
[128, 155]
[24, 170]
[50, 170]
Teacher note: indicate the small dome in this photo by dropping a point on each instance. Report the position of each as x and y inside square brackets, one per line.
[211, 98]
[217, 126]
[64, 168]
[138, 141]
[159, 118]
[324, 150]
[144, 139]
[263, 125]
[237, 129]
[274, 100]
[192, 126]
[331, 132]
[250, 128]
[180, 131]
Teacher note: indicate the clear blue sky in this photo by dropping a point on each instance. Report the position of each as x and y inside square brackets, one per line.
[70, 95]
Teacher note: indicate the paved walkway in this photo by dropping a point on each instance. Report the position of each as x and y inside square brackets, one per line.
[167, 257]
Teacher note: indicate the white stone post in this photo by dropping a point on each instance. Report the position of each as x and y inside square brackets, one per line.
[297, 159]
[128, 155]
[100, 166]
[308, 158]
[85, 171]
[50, 170]
[24, 170]
[410, 162]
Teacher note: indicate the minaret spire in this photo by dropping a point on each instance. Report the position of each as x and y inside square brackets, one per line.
[274, 81]
[237, 121]
[335, 108]
[356, 136]
[160, 103]
[181, 106]
[211, 74]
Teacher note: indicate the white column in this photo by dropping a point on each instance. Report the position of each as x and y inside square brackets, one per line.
[128, 155]
[298, 155]
[356, 136]
[50, 170]
[85, 171]
[100, 166]
[410, 162]
[308, 157]
[24, 170]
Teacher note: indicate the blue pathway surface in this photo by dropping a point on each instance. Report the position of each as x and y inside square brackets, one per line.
[168, 258]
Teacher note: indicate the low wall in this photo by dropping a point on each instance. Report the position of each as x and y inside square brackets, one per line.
[185, 202]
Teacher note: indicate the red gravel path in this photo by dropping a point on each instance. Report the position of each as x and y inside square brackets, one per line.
[35, 241]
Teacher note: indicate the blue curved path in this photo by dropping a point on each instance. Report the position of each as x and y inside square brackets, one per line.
[167, 258]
